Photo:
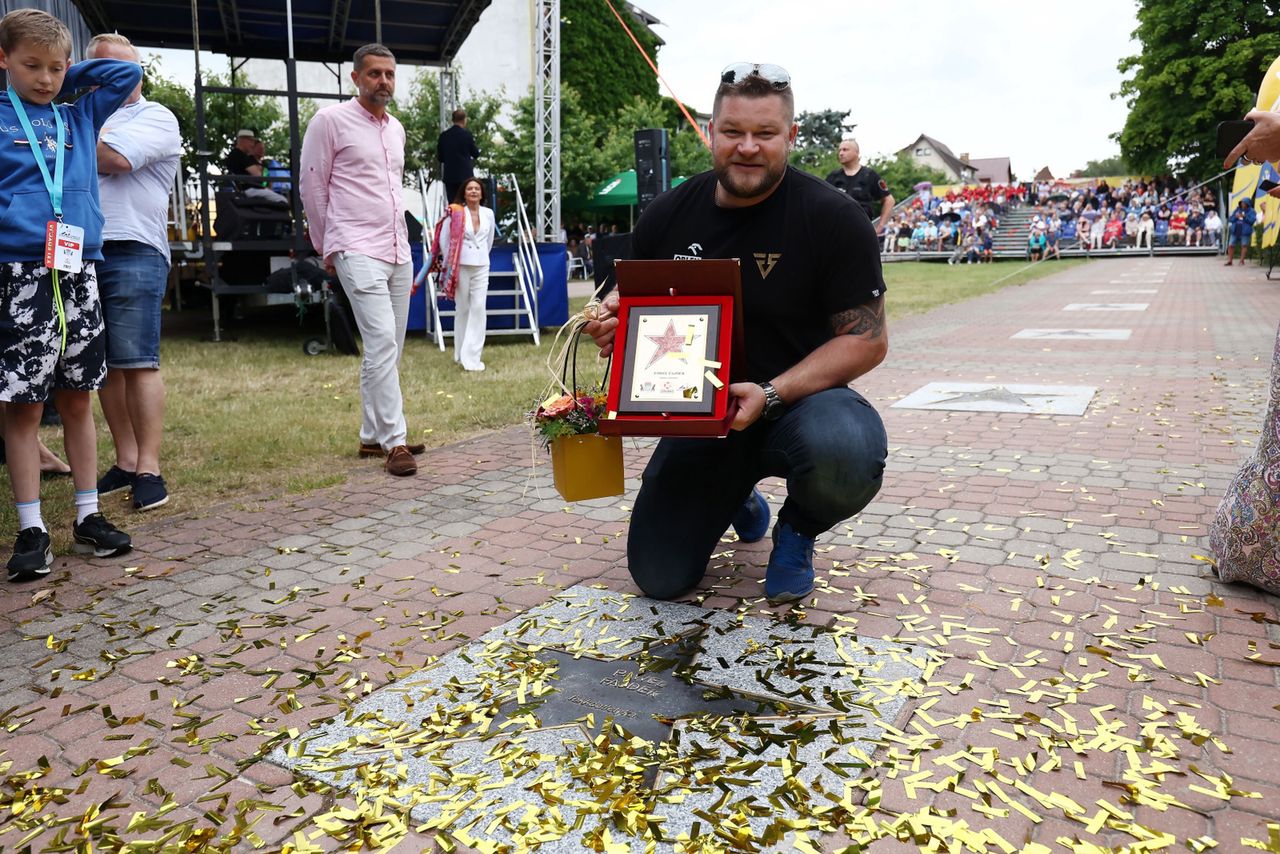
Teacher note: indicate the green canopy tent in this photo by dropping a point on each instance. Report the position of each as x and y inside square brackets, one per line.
[619, 191]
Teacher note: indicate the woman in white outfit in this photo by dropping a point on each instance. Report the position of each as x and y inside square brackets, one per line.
[478, 232]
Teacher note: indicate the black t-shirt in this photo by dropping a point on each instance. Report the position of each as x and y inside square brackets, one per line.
[807, 253]
[864, 186]
[238, 162]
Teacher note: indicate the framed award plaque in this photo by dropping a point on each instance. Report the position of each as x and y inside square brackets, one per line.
[679, 325]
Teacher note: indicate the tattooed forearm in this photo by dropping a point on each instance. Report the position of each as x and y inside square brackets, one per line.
[866, 319]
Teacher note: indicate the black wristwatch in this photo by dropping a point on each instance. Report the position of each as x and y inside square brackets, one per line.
[773, 405]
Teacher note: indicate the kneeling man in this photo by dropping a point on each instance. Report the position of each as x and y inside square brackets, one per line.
[813, 298]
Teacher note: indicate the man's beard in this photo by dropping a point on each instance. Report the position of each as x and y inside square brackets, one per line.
[381, 97]
[749, 190]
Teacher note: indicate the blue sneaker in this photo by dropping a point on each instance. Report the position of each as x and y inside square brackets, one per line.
[751, 522]
[149, 492]
[790, 573]
[115, 480]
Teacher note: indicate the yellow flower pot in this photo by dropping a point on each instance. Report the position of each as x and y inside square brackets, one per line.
[587, 466]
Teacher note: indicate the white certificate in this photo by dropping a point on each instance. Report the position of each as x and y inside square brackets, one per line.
[670, 358]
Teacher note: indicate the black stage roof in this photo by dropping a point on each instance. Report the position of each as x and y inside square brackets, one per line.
[419, 32]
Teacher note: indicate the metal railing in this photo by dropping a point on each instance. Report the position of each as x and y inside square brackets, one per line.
[527, 271]
[527, 263]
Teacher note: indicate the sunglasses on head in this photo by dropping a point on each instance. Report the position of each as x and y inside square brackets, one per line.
[775, 75]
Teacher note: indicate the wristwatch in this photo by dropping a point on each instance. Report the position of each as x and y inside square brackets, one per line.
[773, 405]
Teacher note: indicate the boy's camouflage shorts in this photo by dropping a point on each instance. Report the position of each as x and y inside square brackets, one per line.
[30, 362]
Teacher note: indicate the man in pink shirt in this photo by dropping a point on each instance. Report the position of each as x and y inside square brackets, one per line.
[351, 179]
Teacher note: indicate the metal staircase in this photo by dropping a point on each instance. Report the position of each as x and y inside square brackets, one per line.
[512, 305]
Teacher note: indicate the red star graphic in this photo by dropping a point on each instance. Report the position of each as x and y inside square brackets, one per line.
[668, 342]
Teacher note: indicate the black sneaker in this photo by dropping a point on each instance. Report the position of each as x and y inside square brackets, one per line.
[149, 492]
[114, 480]
[95, 534]
[32, 555]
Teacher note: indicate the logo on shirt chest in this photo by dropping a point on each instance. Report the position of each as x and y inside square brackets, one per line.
[694, 250]
[766, 261]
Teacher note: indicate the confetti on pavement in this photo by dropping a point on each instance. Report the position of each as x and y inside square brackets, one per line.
[1072, 679]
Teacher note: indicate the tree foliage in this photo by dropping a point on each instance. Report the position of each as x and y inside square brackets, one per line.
[419, 111]
[818, 138]
[902, 173]
[1201, 63]
[169, 93]
[598, 59]
[223, 114]
[1105, 167]
[582, 163]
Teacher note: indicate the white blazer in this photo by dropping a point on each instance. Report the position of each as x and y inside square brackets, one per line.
[476, 242]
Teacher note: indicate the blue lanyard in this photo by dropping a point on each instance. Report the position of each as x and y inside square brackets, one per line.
[54, 184]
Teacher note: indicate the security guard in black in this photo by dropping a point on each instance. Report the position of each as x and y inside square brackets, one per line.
[865, 187]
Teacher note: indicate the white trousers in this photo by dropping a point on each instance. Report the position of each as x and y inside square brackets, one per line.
[470, 323]
[379, 295]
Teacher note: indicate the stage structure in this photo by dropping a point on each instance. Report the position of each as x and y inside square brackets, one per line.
[546, 112]
[419, 32]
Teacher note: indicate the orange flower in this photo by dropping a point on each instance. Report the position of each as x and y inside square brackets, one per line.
[557, 407]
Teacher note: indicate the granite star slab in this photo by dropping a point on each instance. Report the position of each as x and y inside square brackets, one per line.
[1074, 334]
[600, 710]
[986, 397]
[1106, 306]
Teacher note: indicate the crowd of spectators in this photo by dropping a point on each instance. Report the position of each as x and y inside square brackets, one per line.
[1140, 214]
[961, 221]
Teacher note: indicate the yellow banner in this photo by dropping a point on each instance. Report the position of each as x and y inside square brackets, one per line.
[1268, 207]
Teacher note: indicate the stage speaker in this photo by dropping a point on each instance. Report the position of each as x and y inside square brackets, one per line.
[653, 165]
[606, 249]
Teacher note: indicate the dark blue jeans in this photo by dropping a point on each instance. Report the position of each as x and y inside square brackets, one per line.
[830, 446]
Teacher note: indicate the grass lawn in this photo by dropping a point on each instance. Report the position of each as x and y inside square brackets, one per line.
[255, 416]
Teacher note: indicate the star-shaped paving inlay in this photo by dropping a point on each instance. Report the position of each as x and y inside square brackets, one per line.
[1010, 397]
[1074, 334]
[994, 394]
[668, 342]
[598, 698]
[1106, 306]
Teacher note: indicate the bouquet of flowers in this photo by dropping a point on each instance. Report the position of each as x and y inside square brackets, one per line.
[584, 464]
[568, 415]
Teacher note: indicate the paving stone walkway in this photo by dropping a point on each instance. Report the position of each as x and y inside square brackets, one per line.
[1084, 680]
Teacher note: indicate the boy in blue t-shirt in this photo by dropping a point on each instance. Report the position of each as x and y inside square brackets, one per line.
[51, 335]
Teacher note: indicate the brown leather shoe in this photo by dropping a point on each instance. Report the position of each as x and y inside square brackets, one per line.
[376, 450]
[400, 462]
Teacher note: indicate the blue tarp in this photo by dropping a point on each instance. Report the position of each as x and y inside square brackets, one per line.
[553, 299]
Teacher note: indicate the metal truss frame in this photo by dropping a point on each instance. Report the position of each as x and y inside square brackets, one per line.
[546, 117]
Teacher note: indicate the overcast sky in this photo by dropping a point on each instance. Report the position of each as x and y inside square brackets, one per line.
[1031, 81]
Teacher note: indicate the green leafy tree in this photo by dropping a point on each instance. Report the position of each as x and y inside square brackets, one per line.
[902, 173]
[1102, 168]
[1201, 62]
[169, 93]
[689, 155]
[598, 59]
[818, 138]
[419, 112]
[581, 160]
[225, 114]
[618, 149]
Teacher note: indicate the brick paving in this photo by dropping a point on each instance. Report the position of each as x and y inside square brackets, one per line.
[1048, 562]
